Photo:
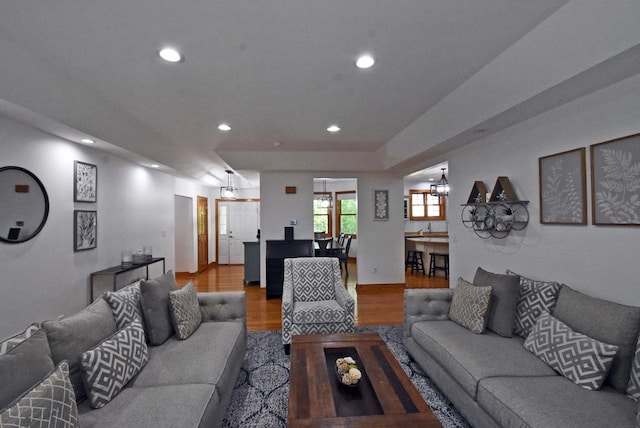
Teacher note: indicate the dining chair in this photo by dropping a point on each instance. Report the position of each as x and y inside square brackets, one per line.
[343, 256]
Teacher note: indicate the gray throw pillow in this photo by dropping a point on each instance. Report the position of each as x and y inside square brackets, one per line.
[154, 296]
[504, 298]
[125, 304]
[605, 321]
[70, 337]
[51, 403]
[469, 306]
[579, 358]
[23, 366]
[185, 310]
[633, 388]
[108, 367]
[535, 298]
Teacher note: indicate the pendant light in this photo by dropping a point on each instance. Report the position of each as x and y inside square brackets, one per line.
[326, 201]
[229, 192]
[441, 188]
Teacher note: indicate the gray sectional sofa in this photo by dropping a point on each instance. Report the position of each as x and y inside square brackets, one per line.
[182, 383]
[496, 382]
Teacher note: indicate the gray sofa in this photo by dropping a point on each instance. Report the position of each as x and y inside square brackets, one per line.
[495, 382]
[185, 383]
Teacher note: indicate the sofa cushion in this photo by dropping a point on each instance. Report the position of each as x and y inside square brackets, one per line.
[535, 298]
[10, 342]
[50, 403]
[125, 304]
[320, 312]
[108, 367]
[23, 366]
[553, 402]
[605, 321]
[154, 297]
[185, 310]
[579, 358]
[212, 355]
[504, 297]
[469, 357]
[70, 337]
[144, 407]
[469, 306]
[633, 388]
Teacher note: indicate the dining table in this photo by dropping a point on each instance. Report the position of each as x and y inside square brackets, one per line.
[326, 247]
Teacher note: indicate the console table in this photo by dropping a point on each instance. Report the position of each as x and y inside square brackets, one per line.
[114, 271]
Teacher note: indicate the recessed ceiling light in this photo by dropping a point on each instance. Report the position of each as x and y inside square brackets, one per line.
[170, 55]
[88, 141]
[365, 61]
[333, 128]
[224, 127]
[154, 165]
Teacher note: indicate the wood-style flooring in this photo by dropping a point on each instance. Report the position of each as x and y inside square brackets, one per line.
[375, 304]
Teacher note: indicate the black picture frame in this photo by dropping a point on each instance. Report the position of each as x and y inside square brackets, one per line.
[85, 230]
[85, 182]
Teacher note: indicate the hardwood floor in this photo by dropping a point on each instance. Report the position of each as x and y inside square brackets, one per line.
[375, 304]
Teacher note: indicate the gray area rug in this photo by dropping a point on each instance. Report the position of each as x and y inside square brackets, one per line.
[261, 395]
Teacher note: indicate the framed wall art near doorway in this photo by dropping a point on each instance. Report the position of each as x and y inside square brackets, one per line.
[615, 182]
[381, 205]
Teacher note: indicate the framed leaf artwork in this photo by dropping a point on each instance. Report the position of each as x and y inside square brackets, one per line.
[85, 230]
[563, 191]
[615, 182]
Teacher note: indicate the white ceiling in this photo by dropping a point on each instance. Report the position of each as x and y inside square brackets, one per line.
[275, 71]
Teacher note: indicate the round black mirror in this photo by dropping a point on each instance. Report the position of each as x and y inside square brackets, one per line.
[24, 205]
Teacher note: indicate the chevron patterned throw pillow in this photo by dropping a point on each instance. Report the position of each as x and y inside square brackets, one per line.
[51, 403]
[108, 367]
[536, 298]
[469, 306]
[125, 304]
[633, 390]
[579, 358]
[185, 310]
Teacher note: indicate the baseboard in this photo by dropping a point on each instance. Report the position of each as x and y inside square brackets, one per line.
[378, 285]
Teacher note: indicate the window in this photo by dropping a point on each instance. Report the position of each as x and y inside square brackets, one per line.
[321, 216]
[424, 206]
[347, 212]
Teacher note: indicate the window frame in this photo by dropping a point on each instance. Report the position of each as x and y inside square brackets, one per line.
[339, 214]
[427, 217]
[316, 197]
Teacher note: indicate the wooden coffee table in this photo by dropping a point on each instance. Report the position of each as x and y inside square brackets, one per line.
[384, 397]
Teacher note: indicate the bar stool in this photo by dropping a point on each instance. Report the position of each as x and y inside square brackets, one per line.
[415, 260]
[433, 267]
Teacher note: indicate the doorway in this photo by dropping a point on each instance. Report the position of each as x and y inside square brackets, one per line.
[203, 233]
[237, 221]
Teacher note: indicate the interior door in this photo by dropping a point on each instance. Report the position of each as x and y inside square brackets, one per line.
[203, 233]
[238, 221]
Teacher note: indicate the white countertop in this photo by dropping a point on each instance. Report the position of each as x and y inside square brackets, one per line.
[427, 239]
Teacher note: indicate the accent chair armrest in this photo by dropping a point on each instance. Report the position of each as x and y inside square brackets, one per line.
[426, 305]
[345, 300]
[223, 306]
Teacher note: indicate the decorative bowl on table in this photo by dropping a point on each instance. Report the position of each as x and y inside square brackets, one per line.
[347, 371]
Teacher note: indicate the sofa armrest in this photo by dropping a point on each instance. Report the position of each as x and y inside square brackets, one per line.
[426, 305]
[223, 306]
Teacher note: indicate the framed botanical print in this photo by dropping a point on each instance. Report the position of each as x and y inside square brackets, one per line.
[85, 228]
[615, 182]
[563, 191]
[85, 182]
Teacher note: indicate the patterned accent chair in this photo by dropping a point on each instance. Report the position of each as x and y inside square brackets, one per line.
[314, 299]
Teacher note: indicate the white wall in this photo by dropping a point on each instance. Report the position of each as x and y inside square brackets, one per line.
[380, 243]
[600, 260]
[43, 277]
